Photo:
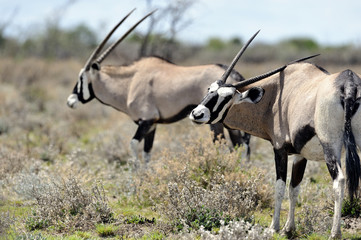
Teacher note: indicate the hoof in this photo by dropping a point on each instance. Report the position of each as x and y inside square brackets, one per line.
[290, 233]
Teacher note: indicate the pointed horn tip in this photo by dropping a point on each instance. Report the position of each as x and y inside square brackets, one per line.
[101, 45]
[150, 13]
[236, 58]
[303, 59]
[111, 47]
[131, 11]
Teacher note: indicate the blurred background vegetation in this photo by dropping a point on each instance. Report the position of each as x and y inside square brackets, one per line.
[51, 41]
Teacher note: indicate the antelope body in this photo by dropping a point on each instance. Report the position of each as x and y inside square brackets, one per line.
[303, 111]
[149, 91]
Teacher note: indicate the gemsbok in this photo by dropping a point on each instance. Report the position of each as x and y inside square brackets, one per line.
[303, 111]
[150, 91]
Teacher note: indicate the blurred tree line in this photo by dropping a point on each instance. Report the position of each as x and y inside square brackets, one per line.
[54, 42]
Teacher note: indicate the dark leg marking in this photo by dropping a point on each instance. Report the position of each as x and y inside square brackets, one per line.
[331, 161]
[236, 137]
[148, 141]
[143, 129]
[281, 164]
[217, 130]
[298, 170]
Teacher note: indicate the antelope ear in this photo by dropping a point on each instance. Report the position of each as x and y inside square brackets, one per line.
[253, 95]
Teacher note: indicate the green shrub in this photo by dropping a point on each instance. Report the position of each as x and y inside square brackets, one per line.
[105, 230]
[351, 208]
[239, 230]
[210, 219]
[34, 222]
[30, 236]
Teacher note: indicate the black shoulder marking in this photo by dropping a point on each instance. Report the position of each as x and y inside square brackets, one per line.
[234, 74]
[304, 135]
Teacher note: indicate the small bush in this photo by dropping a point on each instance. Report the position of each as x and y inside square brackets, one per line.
[67, 205]
[194, 206]
[105, 230]
[351, 208]
[30, 236]
[153, 236]
[83, 235]
[6, 221]
[34, 222]
[238, 230]
[313, 219]
[12, 162]
[209, 219]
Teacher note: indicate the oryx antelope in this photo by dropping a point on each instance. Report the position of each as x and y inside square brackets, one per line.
[150, 91]
[304, 111]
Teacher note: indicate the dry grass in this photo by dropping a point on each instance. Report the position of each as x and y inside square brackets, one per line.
[51, 156]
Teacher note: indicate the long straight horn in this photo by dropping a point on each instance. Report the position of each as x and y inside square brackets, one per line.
[111, 47]
[236, 58]
[101, 45]
[270, 73]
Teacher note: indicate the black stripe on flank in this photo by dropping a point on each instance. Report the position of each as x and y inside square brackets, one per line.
[182, 114]
[304, 135]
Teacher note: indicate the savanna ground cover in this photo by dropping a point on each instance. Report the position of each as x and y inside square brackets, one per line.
[64, 173]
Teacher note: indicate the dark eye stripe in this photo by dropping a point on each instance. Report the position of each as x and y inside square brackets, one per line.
[222, 105]
[210, 100]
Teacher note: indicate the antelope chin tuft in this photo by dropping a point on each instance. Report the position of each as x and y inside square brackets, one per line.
[72, 101]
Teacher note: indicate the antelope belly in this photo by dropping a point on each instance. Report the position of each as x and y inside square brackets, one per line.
[312, 150]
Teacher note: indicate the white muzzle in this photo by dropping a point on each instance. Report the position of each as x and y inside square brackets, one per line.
[200, 115]
[73, 101]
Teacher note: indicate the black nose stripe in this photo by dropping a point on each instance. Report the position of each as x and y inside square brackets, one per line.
[221, 106]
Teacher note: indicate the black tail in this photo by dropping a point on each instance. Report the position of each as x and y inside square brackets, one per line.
[353, 169]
